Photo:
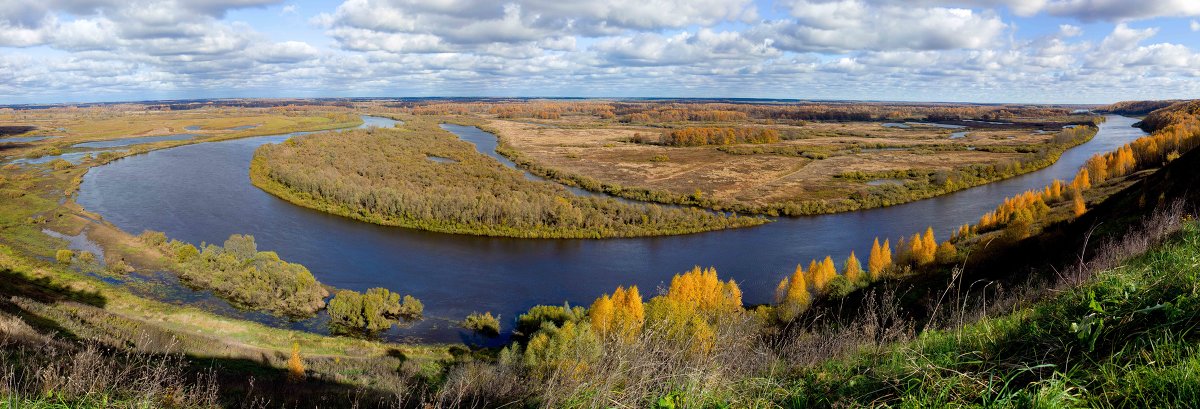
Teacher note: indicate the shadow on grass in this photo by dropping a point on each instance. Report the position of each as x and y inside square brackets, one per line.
[43, 290]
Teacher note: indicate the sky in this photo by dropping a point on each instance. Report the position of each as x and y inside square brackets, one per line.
[1018, 51]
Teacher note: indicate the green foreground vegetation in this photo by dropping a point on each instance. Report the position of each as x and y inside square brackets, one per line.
[387, 176]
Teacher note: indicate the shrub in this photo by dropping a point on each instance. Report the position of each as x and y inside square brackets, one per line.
[483, 324]
[540, 315]
[376, 310]
[64, 256]
[184, 252]
[153, 238]
[840, 287]
[253, 279]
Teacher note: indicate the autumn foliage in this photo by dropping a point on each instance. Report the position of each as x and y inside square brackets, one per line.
[622, 314]
[694, 136]
[880, 259]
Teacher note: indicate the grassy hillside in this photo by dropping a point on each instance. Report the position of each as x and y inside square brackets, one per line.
[1126, 337]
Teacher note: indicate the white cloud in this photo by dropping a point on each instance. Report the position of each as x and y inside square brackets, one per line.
[1194, 25]
[842, 25]
[1121, 10]
[1067, 30]
[870, 49]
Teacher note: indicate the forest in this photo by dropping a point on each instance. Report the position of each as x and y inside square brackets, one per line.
[385, 176]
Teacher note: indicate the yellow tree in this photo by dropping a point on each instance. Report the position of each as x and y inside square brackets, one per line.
[629, 311]
[295, 365]
[791, 296]
[1077, 205]
[702, 291]
[601, 314]
[875, 262]
[853, 270]
[623, 313]
[1083, 180]
[823, 273]
[928, 247]
[946, 253]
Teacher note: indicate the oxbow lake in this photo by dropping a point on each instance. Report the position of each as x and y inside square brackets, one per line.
[202, 193]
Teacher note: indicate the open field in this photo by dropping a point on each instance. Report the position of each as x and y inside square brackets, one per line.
[816, 167]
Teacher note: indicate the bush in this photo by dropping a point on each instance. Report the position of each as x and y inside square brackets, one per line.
[376, 310]
[153, 238]
[64, 256]
[840, 287]
[254, 279]
[184, 252]
[483, 324]
[540, 315]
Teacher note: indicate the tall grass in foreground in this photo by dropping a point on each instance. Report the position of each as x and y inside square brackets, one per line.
[39, 371]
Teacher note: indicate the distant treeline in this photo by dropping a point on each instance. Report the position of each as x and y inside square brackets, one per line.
[1136, 107]
[658, 112]
[385, 176]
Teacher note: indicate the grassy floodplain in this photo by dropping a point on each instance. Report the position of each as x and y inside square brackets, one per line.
[813, 167]
[387, 176]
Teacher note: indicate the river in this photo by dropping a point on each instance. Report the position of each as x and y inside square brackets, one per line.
[202, 193]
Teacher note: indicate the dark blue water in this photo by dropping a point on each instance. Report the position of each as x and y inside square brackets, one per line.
[202, 193]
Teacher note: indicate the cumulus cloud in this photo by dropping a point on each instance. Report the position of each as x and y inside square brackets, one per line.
[841, 25]
[868, 49]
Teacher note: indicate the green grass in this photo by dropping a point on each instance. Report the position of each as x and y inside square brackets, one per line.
[1126, 338]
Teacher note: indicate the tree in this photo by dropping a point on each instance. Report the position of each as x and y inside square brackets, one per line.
[822, 273]
[875, 263]
[853, 270]
[601, 314]
[295, 365]
[1083, 180]
[702, 291]
[623, 313]
[1077, 204]
[791, 296]
[922, 249]
[946, 253]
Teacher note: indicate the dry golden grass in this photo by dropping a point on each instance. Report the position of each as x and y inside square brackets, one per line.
[603, 152]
